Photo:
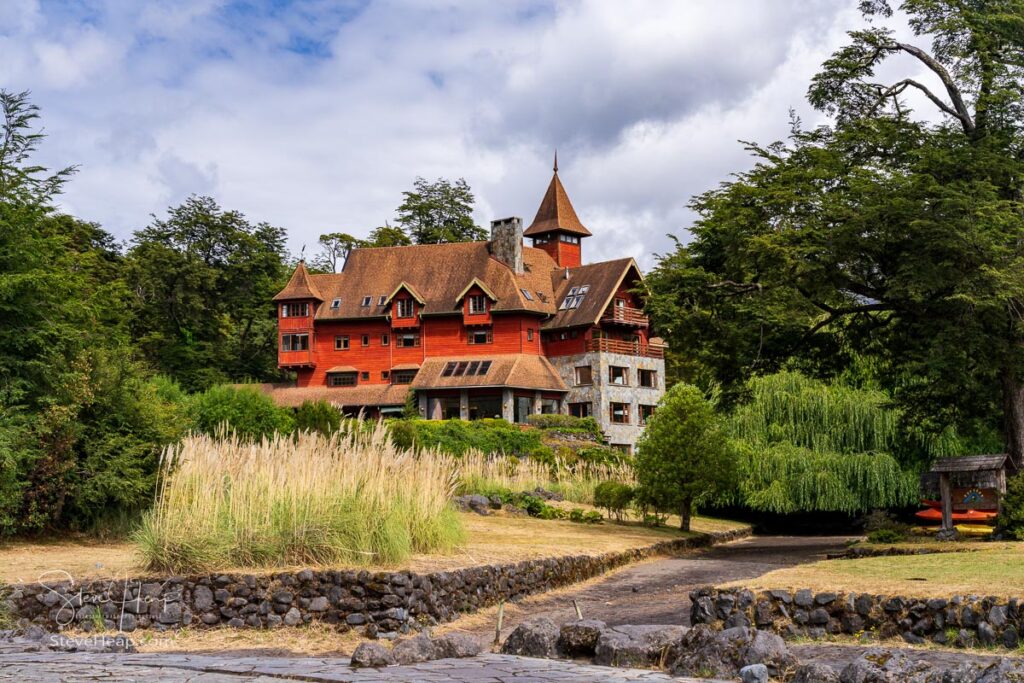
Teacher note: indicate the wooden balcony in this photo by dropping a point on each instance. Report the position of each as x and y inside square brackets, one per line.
[295, 359]
[625, 315]
[626, 347]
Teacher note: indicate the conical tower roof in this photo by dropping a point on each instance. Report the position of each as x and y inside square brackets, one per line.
[300, 286]
[556, 213]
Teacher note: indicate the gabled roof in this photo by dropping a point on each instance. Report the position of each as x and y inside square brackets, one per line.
[437, 273]
[407, 287]
[604, 280]
[346, 397]
[300, 286]
[556, 212]
[475, 282]
[513, 370]
[972, 463]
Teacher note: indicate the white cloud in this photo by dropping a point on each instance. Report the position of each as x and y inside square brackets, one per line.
[318, 115]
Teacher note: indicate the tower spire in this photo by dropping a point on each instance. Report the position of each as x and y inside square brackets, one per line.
[556, 160]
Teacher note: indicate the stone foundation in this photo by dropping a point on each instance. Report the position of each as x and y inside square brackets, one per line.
[378, 603]
[961, 620]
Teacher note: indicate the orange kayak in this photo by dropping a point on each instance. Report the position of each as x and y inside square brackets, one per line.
[969, 516]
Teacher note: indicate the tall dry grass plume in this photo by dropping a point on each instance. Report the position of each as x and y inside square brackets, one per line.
[298, 500]
[480, 473]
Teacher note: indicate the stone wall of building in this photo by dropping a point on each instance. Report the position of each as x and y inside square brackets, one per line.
[376, 602]
[958, 620]
[602, 392]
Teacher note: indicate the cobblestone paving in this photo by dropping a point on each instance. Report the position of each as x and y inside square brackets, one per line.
[163, 668]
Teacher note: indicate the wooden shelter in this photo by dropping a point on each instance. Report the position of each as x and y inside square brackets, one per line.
[983, 475]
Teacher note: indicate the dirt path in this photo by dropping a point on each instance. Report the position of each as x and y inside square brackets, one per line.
[657, 591]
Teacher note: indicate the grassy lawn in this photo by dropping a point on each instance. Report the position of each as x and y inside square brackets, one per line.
[985, 569]
[491, 539]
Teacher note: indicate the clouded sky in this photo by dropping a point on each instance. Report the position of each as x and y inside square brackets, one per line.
[315, 115]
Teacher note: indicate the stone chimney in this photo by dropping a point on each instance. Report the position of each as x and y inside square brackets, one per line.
[507, 242]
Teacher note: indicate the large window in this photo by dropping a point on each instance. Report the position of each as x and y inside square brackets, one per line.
[403, 376]
[341, 343]
[477, 304]
[581, 409]
[584, 375]
[645, 411]
[295, 310]
[295, 342]
[404, 308]
[647, 378]
[619, 413]
[618, 375]
[479, 337]
[407, 340]
[342, 379]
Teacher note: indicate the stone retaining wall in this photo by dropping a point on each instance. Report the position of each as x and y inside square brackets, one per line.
[380, 603]
[961, 620]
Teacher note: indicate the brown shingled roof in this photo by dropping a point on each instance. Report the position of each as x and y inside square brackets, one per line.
[301, 285]
[556, 212]
[517, 370]
[604, 279]
[346, 397]
[438, 273]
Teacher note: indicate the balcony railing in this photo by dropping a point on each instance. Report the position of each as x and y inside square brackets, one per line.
[627, 347]
[625, 315]
[286, 359]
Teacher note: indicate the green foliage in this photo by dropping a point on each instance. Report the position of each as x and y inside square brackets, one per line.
[581, 516]
[559, 422]
[885, 235]
[886, 536]
[203, 280]
[1011, 513]
[684, 457]
[247, 412]
[458, 436]
[318, 416]
[387, 236]
[440, 211]
[613, 496]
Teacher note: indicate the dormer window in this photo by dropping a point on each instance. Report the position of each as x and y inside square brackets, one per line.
[335, 304]
[367, 300]
[404, 308]
[477, 304]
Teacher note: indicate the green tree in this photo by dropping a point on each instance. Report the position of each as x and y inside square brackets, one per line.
[892, 236]
[387, 236]
[440, 211]
[683, 457]
[203, 280]
[334, 250]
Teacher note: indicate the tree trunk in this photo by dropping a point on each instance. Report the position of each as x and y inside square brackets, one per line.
[685, 512]
[1013, 416]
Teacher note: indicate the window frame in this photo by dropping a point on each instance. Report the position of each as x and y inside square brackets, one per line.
[342, 342]
[590, 375]
[403, 376]
[588, 411]
[624, 373]
[405, 308]
[287, 342]
[625, 412]
[333, 376]
[647, 372]
[477, 304]
[364, 340]
[401, 340]
[471, 337]
[644, 412]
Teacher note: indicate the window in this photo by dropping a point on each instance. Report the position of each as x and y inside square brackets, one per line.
[647, 378]
[364, 376]
[295, 342]
[569, 239]
[403, 376]
[385, 374]
[336, 304]
[620, 303]
[529, 334]
[477, 304]
[644, 411]
[624, 447]
[342, 379]
[405, 308]
[581, 409]
[618, 375]
[406, 341]
[295, 310]
[385, 339]
[526, 293]
[619, 413]
[341, 343]
[479, 337]
[583, 289]
[382, 300]
[367, 300]
[466, 368]
[584, 375]
[365, 340]
[573, 290]
[484, 367]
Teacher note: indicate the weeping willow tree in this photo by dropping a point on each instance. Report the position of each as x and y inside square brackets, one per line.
[810, 446]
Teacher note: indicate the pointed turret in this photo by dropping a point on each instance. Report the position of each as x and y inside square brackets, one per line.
[300, 286]
[556, 228]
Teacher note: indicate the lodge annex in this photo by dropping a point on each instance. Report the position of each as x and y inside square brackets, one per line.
[477, 329]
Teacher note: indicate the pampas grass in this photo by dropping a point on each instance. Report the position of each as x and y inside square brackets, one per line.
[298, 500]
[480, 473]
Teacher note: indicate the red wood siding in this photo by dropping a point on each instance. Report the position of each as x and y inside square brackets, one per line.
[556, 346]
[565, 255]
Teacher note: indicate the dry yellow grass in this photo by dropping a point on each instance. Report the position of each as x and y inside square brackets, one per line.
[997, 571]
[496, 538]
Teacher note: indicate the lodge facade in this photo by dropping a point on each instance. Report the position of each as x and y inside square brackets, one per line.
[477, 329]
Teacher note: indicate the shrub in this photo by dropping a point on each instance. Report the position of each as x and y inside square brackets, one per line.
[226, 502]
[246, 412]
[457, 437]
[567, 423]
[318, 416]
[613, 496]
[1011, 513]
[576, 515]
[886, 536]
[592, 517]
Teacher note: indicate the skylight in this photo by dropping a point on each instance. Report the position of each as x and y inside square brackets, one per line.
[575, 297]
[573, 290]
[336, 304]
[526, 293]
[382, 300]
[464, 368]
[367, 300]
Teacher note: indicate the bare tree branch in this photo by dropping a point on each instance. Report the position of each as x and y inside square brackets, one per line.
[959, 108]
